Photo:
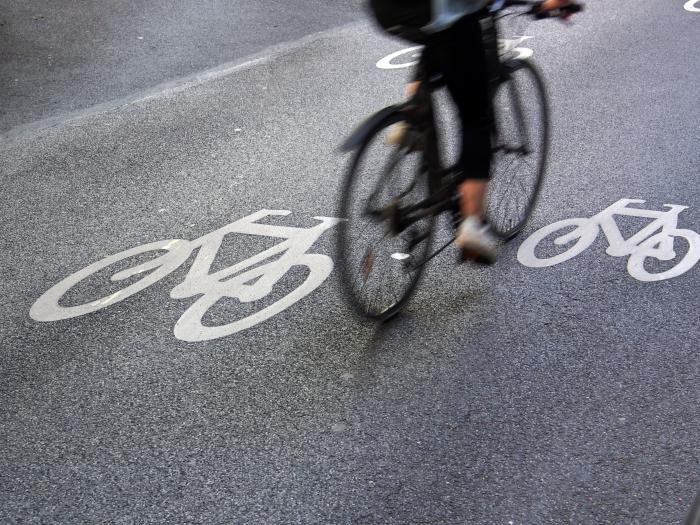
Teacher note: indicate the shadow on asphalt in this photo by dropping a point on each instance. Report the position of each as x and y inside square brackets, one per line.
[439, 309]
[693, 517]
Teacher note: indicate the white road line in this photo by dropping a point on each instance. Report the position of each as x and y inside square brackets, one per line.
[180, 84]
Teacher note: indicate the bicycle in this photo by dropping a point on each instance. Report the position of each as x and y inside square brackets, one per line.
[410, 188]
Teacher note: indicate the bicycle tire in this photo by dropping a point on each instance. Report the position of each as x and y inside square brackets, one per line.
[507, 212]
[352, 241]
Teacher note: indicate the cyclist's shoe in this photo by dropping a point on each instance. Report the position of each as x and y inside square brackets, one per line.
[396, 133]
[476, 241]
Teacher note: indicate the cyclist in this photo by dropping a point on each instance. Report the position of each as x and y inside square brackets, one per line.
[459, 48]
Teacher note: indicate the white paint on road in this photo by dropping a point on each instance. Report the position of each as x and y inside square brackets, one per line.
[654, 241]
[247, 281]
[692, 6]
[409, 56]
[184, 83]
[512, 46]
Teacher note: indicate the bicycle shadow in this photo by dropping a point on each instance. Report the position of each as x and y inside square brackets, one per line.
[439, 309]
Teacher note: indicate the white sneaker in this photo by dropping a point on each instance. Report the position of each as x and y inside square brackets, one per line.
[477, 241]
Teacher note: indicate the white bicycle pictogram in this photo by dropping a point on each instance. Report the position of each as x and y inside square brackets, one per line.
[692, 6]
[243, 281]
[656, 240]
[409, 56]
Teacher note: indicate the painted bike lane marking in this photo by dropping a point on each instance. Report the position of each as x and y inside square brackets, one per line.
[248, 281]
[692, 6]
[654, 241]
[411, 55]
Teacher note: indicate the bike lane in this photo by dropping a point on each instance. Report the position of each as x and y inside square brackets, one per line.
[562, 394]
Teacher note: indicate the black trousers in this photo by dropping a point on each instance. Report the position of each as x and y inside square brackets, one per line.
[465, 55]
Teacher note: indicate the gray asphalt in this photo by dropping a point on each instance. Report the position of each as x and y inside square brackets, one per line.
[507, 394]
[59, 56]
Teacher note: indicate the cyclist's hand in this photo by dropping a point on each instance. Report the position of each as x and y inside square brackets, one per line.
[557, 8]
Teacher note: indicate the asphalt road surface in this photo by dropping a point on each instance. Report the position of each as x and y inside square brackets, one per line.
[502, 395]
[59, 55]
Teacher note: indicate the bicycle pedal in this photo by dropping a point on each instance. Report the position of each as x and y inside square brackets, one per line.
[415, 238]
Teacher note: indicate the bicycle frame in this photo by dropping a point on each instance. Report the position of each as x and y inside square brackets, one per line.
[419, 110]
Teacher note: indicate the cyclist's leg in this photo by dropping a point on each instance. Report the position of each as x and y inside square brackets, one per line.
[461, 54]
[403, 18]
[467, 76]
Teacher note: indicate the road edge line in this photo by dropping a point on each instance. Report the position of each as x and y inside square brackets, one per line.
[177, 85]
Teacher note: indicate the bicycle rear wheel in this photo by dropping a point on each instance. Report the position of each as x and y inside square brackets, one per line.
[520, 147]
[380, 260]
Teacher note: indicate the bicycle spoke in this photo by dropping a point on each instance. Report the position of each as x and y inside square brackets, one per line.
[522, 121]
[368, 224]
[373, 262]
[372, 250]
[507, 168]
[522, 185]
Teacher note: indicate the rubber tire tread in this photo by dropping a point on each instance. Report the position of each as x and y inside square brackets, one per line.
[342, 247]
[512, 66]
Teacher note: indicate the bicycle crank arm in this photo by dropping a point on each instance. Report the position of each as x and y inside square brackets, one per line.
[437, 252]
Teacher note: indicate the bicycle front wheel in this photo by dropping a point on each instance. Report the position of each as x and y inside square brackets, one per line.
[520, 147]
[380, 258]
